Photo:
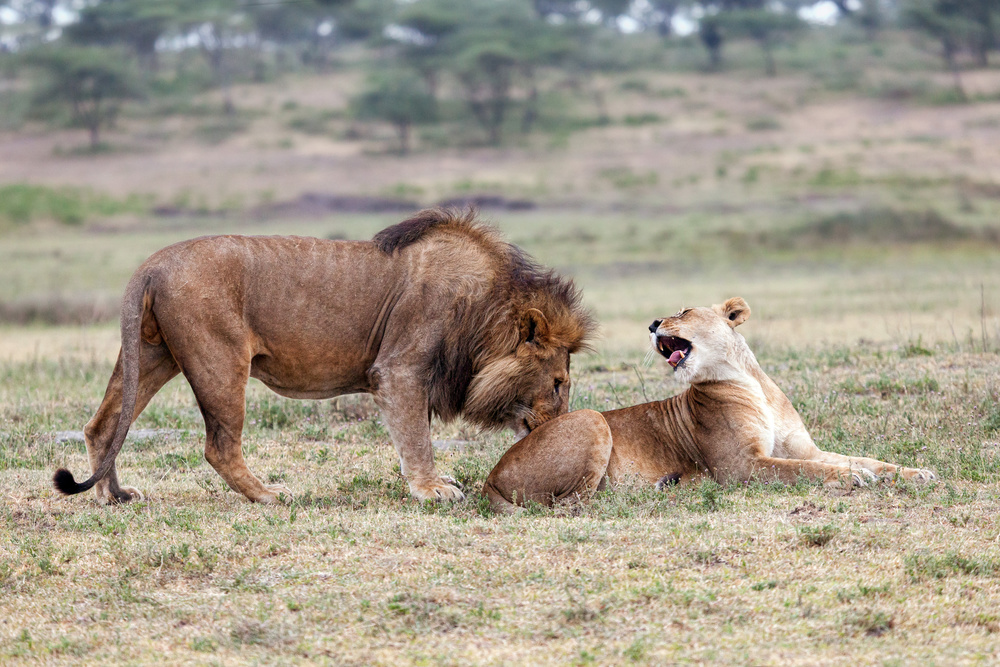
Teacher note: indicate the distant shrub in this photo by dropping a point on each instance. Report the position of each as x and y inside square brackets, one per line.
[217, 131]
[21, 203]
[763, 124]
[634, 120]
[876, 225]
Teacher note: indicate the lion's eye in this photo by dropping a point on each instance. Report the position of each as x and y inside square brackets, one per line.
[558, 382]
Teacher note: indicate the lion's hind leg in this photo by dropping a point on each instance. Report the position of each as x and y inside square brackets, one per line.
[218, 375]
[156, 368]
[563, 460]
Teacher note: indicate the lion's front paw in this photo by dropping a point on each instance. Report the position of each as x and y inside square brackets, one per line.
[276, 493]
[438, 490]
[918, 475]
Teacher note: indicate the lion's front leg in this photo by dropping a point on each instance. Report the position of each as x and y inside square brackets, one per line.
[405, 411]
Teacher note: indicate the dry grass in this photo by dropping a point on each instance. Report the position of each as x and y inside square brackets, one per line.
[886, 343]
[353, 572]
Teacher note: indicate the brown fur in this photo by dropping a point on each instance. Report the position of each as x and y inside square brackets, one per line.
[437, 315]
[732, 424]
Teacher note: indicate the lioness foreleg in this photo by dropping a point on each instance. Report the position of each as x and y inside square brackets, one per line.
[404, 406]
[876, 467]
[156, 368]
[801, 446]
[788, 471]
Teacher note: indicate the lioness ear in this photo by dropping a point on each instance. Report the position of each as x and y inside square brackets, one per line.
[735, 311]
[534, 327]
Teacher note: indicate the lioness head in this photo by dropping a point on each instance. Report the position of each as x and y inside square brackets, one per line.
[701, 344]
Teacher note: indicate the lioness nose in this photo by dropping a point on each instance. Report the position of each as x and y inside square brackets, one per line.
[654, 326]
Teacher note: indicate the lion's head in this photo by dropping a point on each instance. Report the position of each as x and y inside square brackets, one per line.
[530, 385]
[503, 359]
[701, 344]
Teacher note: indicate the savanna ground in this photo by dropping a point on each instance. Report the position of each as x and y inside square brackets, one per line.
[861, 230]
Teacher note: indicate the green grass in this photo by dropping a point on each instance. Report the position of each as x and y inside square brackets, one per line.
[23, 203]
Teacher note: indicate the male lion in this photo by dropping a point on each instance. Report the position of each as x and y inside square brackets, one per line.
[732, 423]
[436, 315]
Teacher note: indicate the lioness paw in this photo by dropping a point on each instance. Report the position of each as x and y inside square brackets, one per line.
[438, 490]
[868, 475]
[918, 475]
[673, 479]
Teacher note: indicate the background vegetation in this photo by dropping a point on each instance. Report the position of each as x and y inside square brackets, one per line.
[842, 176]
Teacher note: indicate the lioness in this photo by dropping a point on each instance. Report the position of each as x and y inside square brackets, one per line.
[732, 423]
[436, 315]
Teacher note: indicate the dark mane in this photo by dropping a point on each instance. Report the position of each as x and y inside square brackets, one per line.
[480, 331]
[413, 229]
[487, 328]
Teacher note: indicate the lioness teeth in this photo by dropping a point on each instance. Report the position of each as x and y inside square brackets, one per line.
[676, 358]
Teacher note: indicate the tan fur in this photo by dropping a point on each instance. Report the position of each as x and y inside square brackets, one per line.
[732, 424]
[437, 315]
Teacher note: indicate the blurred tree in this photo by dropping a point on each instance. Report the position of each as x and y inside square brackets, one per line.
[491, 47]
[983, 14]
[93, 81]
[35, 19]
[611, 10]
[662, 15]
[398, 97]
[428, 46]
[948, 22]
[133, 23]
[710, 34]
[869, 17]
[766, 27]
[220, 26]
[365, 19]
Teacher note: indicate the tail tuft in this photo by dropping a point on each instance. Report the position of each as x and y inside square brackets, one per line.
[63, 480]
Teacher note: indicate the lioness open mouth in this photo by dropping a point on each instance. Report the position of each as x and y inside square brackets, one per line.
[675, 349]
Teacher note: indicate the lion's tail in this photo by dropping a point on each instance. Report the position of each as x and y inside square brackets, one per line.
[133, 304]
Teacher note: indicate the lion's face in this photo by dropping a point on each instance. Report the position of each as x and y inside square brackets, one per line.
[527, 387]
[700, 343]
[545, 392]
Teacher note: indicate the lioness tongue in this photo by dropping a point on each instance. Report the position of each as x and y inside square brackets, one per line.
[675, 358]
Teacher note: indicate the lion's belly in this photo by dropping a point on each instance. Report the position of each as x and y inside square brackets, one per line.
[322, 378]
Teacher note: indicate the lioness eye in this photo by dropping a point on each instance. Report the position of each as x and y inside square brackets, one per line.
[557, 383]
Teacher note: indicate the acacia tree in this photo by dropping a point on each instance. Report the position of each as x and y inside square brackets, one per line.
[492, 48]
[397, 97]
[133, 23]
[767, 28]
[94, 82]
[944, 22]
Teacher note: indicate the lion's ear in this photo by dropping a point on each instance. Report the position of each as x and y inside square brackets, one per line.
[534, 327]
[735, 311]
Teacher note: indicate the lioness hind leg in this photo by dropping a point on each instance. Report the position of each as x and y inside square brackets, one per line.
[220, 389]
[562, 460]
[156, 368]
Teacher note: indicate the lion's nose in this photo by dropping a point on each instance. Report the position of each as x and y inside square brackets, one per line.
[654, 326]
